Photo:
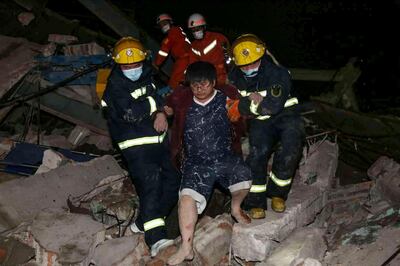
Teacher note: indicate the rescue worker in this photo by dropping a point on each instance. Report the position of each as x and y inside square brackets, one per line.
[209, 46]
[267, 100]
[208, 157]
[178, 45]
[139, 129]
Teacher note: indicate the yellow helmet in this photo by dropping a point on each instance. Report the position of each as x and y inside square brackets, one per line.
[128, 50]
[247, 49]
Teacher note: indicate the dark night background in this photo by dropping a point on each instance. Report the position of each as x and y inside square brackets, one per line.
[311, 34]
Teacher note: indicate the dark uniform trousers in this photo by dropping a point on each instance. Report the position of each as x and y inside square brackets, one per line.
[157, 184]
[264, 135]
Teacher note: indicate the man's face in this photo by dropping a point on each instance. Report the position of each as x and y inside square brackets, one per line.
[203, 90]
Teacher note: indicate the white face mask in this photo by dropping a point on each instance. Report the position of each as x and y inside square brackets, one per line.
[134, 73]
[198, 34]
[165, 28]
[250, 72]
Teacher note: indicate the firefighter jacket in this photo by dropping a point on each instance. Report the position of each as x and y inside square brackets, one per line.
[129, 108]
[272, 82]
[180, 101]
[212, 49]
[176, 43]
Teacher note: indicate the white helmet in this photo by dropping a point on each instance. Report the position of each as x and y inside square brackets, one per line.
[163, 17]
[196, 20]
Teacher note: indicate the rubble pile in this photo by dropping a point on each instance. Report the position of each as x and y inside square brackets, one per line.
[65, 198]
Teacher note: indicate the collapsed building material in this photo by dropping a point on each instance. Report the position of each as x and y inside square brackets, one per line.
[51, 189]
[319, 163]
[16, 61]
[374, 241]
[130, 250]
[61, 238]
[51, 160]
[13, 252]
[62, 39]
[386, 172]
[255, 241]
[301, 244]
[362, 138]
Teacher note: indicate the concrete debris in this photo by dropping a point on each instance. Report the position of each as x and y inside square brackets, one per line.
[17, 59]
[254, 242]
[51, 189]
[130, 250]
[62, 39]
[78, 135]
[386, 172]
[300, 245]
[83, 49]
[212, 241]
[49, 49]
[25, 18]
[319, 162]
[378, 252]
[306, 262]
[51, 160]
[13, 252]
[347, 201]
[102, 142]
[66, 238]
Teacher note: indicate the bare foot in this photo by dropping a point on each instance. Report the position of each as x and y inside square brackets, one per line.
[181, 255]
[241, 217]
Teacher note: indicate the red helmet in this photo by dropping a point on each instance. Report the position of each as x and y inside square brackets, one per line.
[196, 20]
[163, 17]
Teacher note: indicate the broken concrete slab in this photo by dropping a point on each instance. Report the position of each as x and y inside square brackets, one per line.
[61, 38]
[78, 135]
[254, 242]
[51, 189]
[17, 59]
[14, 252]
[84, 49]
[306, 262]
[131, 250]
[51, 160]
[375, 253]
[212, 241]
[319, 164]
[71, 237]
[302, 244]
[386, 171]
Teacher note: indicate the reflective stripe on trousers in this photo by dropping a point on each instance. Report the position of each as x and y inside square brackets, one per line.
[141, 141]
[153, 224]
[258, 188]
[280, 182]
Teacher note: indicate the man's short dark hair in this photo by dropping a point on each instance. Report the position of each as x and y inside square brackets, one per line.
[199, 71]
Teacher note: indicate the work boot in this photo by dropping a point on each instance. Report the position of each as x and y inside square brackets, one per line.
[278, 204]
[159, 245]
[257, 213]
[135, 229]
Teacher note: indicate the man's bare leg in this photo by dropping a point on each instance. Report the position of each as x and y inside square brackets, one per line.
[187, 221]
[236, 211]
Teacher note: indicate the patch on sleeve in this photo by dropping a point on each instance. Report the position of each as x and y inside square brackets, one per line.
[276, 90]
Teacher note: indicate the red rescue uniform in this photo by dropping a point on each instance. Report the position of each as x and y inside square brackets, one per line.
[210, 49]
[178, 45]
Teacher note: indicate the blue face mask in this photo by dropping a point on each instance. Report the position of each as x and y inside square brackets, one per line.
[250, 72]
[134, 73]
